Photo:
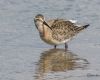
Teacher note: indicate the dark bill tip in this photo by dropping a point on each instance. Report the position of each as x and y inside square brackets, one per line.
[47, 25]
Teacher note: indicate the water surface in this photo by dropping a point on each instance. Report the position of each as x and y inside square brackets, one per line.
[24, 56]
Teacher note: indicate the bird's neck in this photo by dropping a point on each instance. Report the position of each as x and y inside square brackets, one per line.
[41, 28]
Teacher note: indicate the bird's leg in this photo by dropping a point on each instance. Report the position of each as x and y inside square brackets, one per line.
[55, 46]
[66, 46]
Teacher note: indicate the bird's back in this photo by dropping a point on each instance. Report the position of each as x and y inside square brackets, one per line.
[61, 29]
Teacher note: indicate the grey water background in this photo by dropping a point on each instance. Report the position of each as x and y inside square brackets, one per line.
[21, 47]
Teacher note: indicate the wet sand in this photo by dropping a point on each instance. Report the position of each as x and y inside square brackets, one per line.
[24, 56]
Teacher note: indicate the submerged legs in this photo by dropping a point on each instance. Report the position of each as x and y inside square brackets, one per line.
[66, 46]
[55, 46]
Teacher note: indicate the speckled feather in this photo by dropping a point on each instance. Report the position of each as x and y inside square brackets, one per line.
[57, 31]
[62, 30]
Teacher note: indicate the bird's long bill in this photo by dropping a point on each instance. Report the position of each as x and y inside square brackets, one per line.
[46, 24]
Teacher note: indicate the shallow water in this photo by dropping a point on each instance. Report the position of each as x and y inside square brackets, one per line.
[24, 56]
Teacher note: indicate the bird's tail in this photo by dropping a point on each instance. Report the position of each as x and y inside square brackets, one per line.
[82, 28]
[85, 26]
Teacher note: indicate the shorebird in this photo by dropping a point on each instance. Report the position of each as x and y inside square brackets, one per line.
[57, 31]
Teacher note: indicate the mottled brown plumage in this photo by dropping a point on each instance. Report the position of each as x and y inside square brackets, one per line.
[57, 31]
[62, 30]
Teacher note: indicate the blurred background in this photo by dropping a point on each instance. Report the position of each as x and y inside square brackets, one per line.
[21, 48]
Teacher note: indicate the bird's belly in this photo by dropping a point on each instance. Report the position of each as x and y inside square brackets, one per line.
[48, 41]
[52, 41]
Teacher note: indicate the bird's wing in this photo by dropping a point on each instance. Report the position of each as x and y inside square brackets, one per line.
[62, 29]
[52, 21]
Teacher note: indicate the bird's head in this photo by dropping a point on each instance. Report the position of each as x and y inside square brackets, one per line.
[40, 20]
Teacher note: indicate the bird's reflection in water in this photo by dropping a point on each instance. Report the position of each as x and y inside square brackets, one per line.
[59, 60]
